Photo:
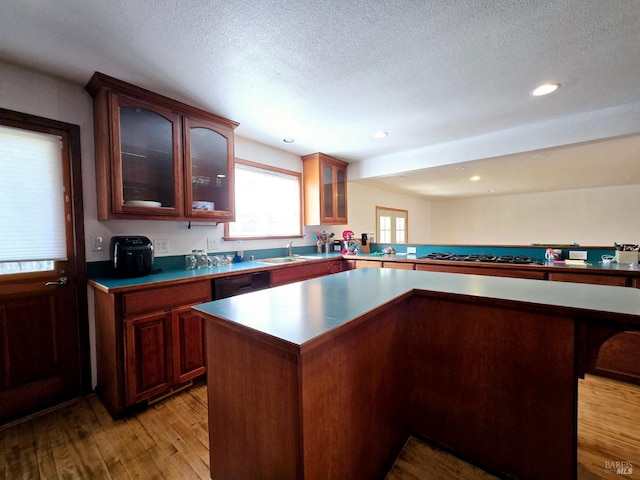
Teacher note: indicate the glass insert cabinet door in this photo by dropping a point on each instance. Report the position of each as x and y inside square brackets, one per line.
[334, 193]
[147, 176]
[341, 187]
[328, 188]
[209, 171]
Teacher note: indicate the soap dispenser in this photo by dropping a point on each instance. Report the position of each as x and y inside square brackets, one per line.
[239, 253]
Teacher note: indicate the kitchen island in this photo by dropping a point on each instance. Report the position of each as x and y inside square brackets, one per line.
[328, 377]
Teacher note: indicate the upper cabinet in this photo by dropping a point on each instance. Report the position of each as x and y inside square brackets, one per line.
[157, 158]
[325, 190]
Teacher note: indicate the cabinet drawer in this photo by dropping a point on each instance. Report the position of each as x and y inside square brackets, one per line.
[159, 298]
[587, 278]
[368, 264]
[493, 272]
[398, 265]
[297, 273]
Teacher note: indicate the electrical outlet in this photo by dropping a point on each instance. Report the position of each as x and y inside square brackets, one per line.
[161, 245]
[212, 243]
[97, 244]
[411, 249]
[577, 255]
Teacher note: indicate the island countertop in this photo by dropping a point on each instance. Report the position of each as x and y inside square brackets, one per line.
[301, 312]
[414, 347]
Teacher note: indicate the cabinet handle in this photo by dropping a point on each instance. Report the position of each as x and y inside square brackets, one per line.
[58, 283]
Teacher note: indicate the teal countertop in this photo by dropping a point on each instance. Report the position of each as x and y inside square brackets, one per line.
[113, 284]
[301, 312]
[631, 268]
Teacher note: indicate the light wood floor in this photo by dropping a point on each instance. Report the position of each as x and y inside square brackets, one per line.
[170, 441]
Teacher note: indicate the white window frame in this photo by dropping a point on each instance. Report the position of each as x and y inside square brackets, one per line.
[394, 215]
[231, 233]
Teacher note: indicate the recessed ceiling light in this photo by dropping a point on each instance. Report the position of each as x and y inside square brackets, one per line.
[288, 140]
[545, 89]
[221, 175]
[380, 134]
[460, 169]
[540, 155]
[475, 178]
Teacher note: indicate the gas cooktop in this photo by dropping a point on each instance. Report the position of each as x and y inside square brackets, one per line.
[482, 257]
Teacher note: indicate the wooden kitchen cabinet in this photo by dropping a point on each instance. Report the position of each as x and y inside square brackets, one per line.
[148, 343]
[188, 343]
[368, 264]
[594, 279]
[325, 190]
[147, 353]
[399, 265]
[510, 272]
[157, 158]
[304, 271]
[619, 356]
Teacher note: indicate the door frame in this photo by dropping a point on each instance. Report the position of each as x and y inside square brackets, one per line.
[15, 119]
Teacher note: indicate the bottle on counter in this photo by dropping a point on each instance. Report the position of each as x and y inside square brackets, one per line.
[202, 259]
[190, 261]
[239, 256]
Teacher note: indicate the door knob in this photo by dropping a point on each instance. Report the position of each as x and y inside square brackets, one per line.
[60, 282]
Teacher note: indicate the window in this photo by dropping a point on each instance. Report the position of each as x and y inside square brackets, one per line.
[392, 225]
[267, 202]
[33, 228]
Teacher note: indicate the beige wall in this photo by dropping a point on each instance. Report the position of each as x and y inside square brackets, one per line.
[364, 199]
[590, 217]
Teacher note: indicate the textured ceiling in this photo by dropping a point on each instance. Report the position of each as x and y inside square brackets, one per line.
[449, 81]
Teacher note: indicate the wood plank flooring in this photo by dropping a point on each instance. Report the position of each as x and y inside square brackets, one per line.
[169, 440]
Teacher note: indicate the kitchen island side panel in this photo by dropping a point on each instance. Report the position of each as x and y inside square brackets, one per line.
[495, 383]
[353, 391]
[253, 400]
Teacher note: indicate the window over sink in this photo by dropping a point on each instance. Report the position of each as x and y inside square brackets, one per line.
[268, 202]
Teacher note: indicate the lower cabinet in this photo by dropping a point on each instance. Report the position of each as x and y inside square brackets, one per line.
[148, 354]
[189, 348]
[148, 343]
[619, 356]
[399, 265]
[368, 264]
[305, 271]
[510, 272]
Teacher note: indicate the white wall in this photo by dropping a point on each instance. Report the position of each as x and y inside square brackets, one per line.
[590, 217]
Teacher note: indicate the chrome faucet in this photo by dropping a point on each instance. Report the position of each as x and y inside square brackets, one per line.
[290, 248]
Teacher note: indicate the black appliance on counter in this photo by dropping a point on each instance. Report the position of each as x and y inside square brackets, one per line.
[131, 256]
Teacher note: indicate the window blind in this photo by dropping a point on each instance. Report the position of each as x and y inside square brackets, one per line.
[32, 217]
[267, 203]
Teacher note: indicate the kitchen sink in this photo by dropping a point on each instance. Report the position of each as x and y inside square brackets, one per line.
[282, 259]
